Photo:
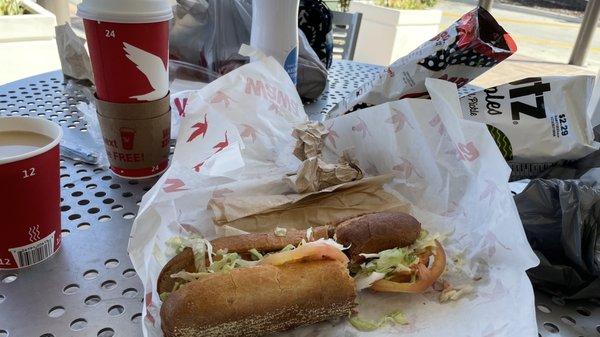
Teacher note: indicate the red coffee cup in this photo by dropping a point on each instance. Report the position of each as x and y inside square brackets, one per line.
[128, 42]
[30, 198]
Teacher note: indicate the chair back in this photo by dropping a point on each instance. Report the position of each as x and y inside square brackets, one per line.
[345, 34]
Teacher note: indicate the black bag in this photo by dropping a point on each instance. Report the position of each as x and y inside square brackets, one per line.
[561, 219]
[315, 21]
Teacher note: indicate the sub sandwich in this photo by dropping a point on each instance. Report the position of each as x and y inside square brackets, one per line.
[261, 283]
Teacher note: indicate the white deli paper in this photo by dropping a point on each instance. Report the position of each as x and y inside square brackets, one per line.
[236, 139]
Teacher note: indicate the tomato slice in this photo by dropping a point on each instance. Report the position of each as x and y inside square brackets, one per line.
[425, 276]
[307, 252]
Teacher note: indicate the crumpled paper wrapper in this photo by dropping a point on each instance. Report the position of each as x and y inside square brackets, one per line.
[315, 174]
[310, 139]
[447, 170]
[73, 54]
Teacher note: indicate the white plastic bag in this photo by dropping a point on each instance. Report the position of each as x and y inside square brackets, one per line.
[594, 106]
[448, 169]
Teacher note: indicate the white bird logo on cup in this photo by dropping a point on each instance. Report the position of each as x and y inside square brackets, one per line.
[153, 68]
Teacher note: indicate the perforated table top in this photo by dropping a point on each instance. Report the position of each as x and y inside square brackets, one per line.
[89, 287]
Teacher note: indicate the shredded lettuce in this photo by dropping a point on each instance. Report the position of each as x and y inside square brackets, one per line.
[164, 296]
[280, 231]
[369, 256]
[256, 255]
[309, 233]
[384, 263]
[363, 325]
[396, 317]
[364, 280]
[330, 242]
[228, 262]
[187, 276]
[199, 245]
[287, 248]
[392, 260]
[426, 240]
[453, 294]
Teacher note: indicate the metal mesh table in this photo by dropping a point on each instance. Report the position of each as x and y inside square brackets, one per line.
[89, 287]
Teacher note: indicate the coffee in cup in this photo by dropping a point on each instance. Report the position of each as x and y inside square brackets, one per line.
[15, 143]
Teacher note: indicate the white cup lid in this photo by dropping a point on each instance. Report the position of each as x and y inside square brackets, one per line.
[125, 11]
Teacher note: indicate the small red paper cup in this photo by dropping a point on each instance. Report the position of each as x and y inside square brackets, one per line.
[30, 198]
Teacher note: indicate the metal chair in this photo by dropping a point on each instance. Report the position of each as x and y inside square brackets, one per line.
[345, 34]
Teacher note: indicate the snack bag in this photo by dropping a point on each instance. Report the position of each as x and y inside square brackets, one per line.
[537, 119]
[468, 48]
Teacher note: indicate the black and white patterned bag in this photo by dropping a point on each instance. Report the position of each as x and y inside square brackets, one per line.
[314, 19]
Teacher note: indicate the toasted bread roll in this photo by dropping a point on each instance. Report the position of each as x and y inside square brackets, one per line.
[372, 233]
[181, 261]
[262, 242]
[267, 242]
[259, 300]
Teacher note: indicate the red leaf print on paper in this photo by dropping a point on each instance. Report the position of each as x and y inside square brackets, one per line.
[468, 151]
[221, 97]
[371, 169]
[221, 145]
[220, 193]
[498, 291]
[406, 169]
[200, 130]
[489, 192]
[180, 105]
[361, 127]
[399, 120]
[149, 307]
[492, 331]
[275, 108]
[248, 132]
[454, 210]
[332, 135]
[198, 167]
[437, 121]
[492, 239]
[174, 185]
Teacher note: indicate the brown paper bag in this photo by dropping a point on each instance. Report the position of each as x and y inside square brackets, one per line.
[264, 213]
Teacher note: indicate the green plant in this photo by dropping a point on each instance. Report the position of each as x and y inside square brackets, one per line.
[10, 7]
[344, 5]
[406, 4]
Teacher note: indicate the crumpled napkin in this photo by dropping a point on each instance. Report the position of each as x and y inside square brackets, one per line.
[315, 174]
[74, 56]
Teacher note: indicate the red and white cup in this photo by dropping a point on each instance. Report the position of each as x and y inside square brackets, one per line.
[30, 197]
[128, 42]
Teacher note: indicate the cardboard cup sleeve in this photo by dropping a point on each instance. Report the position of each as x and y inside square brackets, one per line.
[136, 136]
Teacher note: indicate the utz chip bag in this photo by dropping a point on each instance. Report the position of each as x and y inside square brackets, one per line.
[537, 119]
[468, 48]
